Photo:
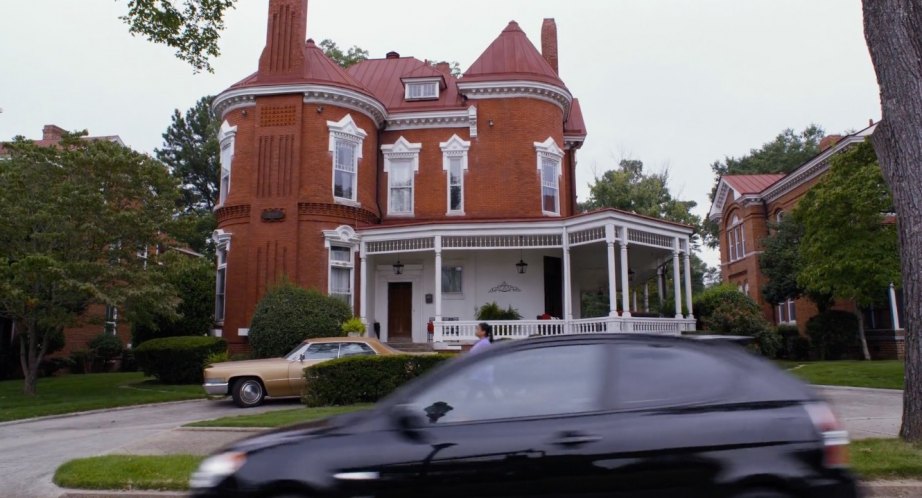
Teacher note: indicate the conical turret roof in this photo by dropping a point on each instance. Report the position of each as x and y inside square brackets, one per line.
[512, 57]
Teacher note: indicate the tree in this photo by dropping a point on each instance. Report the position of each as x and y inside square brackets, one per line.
[76, 219]
[783, 154]
[191, 151]
[352, 56]
[193, 28]
[780, 261]
[893, 30]
[848, 250]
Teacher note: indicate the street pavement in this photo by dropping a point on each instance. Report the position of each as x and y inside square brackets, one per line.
[30, 451]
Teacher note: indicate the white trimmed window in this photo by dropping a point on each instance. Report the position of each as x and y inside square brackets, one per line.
[401, 163]
[452, 279]
[787, 312]
[735, 239]
[226, 138]
[220, 283]
[341, 265]
[422, 89]
[346, 140]
[549, 159]
[111, 325]
[454, 162]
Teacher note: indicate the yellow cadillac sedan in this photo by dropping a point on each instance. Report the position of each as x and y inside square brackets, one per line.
[250, 381]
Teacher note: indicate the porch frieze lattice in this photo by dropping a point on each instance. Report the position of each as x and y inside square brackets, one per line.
[650, 239]
[587, 236]
[401, 245]
[501, 241]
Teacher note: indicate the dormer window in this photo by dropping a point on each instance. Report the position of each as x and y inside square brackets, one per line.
[422, 89]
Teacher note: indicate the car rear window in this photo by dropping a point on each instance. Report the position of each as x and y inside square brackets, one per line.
[650, 376]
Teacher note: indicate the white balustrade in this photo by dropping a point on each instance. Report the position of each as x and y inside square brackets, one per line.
[464, 331]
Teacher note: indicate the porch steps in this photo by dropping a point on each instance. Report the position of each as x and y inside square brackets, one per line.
[411, 347]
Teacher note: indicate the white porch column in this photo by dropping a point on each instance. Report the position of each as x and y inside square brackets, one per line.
[634, 293]
[567, 284]
[661, 284]
[894, 315]
[646, 297]
[676, 281]
[625, 293]
[612, 271]
[438, 278]
[363, 292]
[688, 286]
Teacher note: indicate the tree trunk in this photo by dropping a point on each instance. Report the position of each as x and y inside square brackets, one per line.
[864, 340]
[30, 356]
[893, 30]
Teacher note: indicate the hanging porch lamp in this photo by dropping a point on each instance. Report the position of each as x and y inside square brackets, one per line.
[521, 266]
[398, 266]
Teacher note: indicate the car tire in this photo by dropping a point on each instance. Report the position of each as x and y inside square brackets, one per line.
[762, 493]
[248, 392]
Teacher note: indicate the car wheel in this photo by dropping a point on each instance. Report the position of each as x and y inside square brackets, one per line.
[248, 392]
[762, 493]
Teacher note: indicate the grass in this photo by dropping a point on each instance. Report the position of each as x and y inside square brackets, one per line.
[127, 472]
[77, 393]
[278, 418]
[886, 459]
[884, 374]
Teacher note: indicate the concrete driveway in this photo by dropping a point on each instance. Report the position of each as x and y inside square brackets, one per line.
[30, 451]
[866, 413]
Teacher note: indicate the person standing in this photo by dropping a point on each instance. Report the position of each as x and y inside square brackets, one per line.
[484, 333]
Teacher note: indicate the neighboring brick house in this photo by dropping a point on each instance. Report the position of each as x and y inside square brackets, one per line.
[417, 196]
[744, 208]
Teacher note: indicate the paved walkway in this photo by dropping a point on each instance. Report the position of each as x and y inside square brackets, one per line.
[865, 412]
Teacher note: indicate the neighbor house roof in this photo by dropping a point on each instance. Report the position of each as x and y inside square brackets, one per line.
[751, 184]
[512, 57]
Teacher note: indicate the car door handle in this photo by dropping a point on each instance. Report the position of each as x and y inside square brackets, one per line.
[575, 439]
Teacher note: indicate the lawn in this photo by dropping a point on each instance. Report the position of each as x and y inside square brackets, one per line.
[886, 459]
[278, 418]
[884, 374]
[77, 393]
[128, 472]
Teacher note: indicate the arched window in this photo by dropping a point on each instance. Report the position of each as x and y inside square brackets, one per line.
[735, 239]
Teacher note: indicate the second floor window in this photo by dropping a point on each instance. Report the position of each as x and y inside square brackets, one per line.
[346, 146]
[549, 160]
[736, 240]
[455, 185]
[226, 138]
[400, 182]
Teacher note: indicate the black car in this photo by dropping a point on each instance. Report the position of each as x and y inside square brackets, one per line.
[579, 415]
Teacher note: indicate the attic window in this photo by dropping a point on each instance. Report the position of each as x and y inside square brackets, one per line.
[422, 90]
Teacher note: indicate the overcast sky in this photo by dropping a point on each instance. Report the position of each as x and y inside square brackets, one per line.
[674, 83]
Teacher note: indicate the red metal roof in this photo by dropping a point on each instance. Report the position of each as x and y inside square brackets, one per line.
[575, 124]
[318, 69]
[751, 184]
[512, 57]
[382, 77]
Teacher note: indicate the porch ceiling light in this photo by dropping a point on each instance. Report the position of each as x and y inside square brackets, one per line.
[521, 266]
[398, 266]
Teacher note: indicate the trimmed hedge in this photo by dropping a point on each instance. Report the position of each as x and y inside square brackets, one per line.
[177, 360]
[363, 379]
[289, 314]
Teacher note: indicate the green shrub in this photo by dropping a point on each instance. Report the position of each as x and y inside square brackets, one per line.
[353, 325]
[723, 309]
[833, 335]
[492, 311]
[51, 366]
[769, 342]
[106, 347]
[289, 314]
[363, 379]
[217, 358]
[177, 360]
[129, 364]
[82, 361]
[793, 345]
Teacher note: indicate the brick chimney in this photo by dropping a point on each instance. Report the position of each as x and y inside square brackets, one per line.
[392, 55]
[52, 133]
[444, 68]
[285, 33]
[828, 141]
[549, 42]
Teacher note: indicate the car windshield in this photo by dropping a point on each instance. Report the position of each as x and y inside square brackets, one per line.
[295, 353]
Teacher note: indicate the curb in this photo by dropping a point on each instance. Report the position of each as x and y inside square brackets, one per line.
[121, 494]
[223, 429]
[859, 389]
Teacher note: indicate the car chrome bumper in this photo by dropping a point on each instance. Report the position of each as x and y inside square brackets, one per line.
[215, 389]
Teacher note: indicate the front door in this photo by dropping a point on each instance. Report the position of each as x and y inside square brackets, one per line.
[399, 311]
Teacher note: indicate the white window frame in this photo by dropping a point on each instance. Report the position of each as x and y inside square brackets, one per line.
[736, 239]
[347, 132]
[428, 88]
[342, 265]
[549, 151]
[227, 137]
[787, 312]
[460, 293]
[454, 150]
[222, 249]
[401, 154]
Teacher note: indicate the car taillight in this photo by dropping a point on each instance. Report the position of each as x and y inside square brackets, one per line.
[834, 435]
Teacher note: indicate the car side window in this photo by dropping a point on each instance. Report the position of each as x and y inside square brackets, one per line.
[355, 349]
[650, 376]
[322, 351]
[295, 355]
[527, 383]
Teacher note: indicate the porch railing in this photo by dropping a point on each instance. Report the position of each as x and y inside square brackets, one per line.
[463, 331]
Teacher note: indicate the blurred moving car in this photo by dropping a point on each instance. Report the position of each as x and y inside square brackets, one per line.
[250, 381]
[565, 416]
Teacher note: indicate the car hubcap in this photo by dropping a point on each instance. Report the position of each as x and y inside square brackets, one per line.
[251, 392]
